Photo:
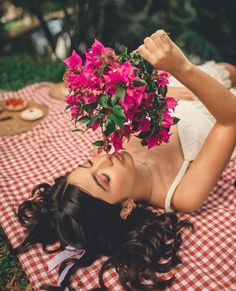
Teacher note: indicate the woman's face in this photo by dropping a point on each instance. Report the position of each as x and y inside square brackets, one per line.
[108, 177]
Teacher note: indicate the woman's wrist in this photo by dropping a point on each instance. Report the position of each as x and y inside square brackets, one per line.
[183, 70]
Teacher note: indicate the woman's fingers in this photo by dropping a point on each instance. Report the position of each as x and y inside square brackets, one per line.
[144, 52]
[161, 37]
[150, 44]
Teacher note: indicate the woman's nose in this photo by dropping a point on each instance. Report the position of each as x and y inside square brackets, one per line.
[103, 161]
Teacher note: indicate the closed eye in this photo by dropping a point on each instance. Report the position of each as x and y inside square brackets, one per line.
[107, 177]
[90, 162]
[95, 178]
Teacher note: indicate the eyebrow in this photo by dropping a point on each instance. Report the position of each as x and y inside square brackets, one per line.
[95, 179]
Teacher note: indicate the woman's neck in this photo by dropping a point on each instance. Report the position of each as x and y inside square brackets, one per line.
[151, 185]
[144, 181]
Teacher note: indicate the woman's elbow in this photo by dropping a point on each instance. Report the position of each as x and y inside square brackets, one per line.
[187, 206]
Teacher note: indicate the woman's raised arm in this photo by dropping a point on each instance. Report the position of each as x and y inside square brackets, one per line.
[218, 147]
[165, 55]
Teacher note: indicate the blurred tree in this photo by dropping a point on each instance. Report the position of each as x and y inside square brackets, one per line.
[35, 8]
[200, 27]
[2, 30]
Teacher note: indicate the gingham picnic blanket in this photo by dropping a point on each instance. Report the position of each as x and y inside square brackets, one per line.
[51, 149]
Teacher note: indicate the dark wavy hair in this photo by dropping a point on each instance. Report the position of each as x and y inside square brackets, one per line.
[136, 246]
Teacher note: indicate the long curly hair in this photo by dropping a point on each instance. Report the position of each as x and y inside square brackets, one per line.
[136, 247]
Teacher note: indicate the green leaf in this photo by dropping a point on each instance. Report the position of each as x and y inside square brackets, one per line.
[100, 71]
[162, 106]
[110, 127]
[109, 147]
[93, 119]
[138, 83]
[120, 92]
[176, 120]
[103, 100]
[84, 119]
[68, 106]
[118, 120]
[162, 90]
[98, 143]
[114, 99]
[148, 67]
[118, 110]
[143, 134]
[143, 143]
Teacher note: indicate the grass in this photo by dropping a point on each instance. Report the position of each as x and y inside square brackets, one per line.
[18, 71]
[12, 277]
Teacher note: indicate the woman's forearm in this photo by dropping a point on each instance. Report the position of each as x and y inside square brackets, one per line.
[219, 101]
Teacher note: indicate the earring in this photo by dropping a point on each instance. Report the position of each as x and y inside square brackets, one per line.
[127, 207]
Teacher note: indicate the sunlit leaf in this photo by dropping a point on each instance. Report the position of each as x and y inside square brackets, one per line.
[84, 119]
[68, 106]
[118, 120]
[93, 119]
[98, 143]
[120, 92]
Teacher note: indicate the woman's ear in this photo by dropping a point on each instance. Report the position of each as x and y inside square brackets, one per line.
[127, 207]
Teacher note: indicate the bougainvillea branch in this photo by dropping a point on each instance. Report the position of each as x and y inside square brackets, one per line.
[119, 94]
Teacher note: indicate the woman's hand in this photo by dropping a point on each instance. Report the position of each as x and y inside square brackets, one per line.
[163, 54]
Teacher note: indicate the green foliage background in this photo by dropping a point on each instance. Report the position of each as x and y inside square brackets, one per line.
[201, 28]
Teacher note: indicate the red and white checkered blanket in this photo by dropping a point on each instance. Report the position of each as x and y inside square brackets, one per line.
[51, 149]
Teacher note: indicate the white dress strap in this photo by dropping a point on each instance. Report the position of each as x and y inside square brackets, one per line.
[174, 185]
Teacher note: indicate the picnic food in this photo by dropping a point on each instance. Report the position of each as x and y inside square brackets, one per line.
[31, 114]
[15, 104]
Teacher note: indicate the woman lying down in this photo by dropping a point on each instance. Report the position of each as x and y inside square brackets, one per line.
[95, 208]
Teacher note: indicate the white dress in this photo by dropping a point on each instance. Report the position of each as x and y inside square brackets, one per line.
[195, 123]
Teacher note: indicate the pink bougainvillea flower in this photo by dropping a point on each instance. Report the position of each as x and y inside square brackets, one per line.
[110, 56]
[130, 113]
[163, 78]
[93, 54]
[97, 48]
[74, 61]
[119, 74]
[74, 110]
[164, 136]
[70, 99]
[171, 102]
[134, 95]
[90, 99]
[127, 131]
[168, 120]
[144, 124]
[151, 141]
[127, 72]
[108, 84]
[117, 139]
[95, 125]
[161, 136]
